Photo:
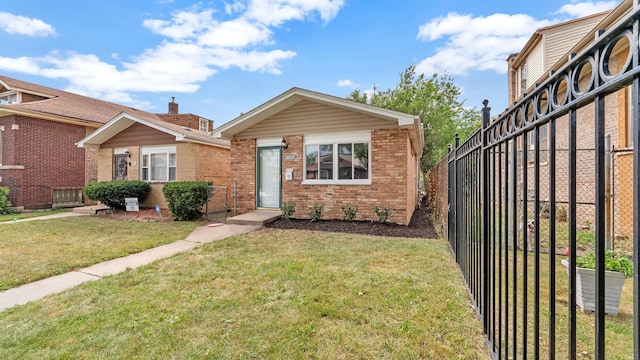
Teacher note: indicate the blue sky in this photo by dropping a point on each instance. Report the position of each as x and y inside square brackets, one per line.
[222, 58]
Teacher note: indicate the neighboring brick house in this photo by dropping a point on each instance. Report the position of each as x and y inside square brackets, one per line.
[159, 148]
[547, 50]
[40, 126]
[309, 148]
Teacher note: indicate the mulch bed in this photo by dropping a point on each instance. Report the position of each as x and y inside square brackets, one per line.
[145, 215]
[419, 227]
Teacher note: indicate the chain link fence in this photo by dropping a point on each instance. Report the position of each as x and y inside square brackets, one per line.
[216, 206]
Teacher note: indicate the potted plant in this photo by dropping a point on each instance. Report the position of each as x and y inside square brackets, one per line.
[617, 266]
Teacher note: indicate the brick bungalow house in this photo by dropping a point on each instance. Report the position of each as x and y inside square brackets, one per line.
[307, 147]
[140, 146]
[549, 49]
[39, 128]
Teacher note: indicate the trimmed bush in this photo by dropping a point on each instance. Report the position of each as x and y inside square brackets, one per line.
[4, 199]
[383, 213]
[113, 193]
[186, 198]
[349, 211]
[288, 208]
[316, 212]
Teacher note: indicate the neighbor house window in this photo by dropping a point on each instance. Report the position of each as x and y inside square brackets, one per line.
[523, 78]
[338, 159]
[9, 98]
[204, 125]
[158, 163]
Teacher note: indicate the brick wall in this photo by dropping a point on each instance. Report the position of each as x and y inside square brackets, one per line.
[389, 167]
[243, 163]
[186, 120]
[49, 155]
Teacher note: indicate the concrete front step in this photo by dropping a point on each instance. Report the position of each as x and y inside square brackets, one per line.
[256, 218]
[89, 210]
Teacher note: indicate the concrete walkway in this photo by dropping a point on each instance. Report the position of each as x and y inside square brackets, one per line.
[39, 289]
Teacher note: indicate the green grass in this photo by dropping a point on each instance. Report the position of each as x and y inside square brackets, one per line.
[619, 329]
[30, 214]
[268, 295]
[34, 250]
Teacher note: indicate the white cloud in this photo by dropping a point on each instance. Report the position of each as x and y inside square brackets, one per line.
[473, 43]
[580, 9]
[346, 83]
[196, 45]
[20, 25]
[276, 12]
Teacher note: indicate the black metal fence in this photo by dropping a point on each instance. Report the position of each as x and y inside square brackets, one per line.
[515, 214]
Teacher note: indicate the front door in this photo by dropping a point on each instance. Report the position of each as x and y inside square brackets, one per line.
[120, 167]
[269, 177]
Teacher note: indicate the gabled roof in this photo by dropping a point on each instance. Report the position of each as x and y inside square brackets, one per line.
[296, 95]
[123, 120]
[60, 105]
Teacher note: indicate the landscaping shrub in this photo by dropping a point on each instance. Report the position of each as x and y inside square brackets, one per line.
[316, 212]
[113, 193]
[349, 211]
[288, 208]
[383, 213]
[4, 199]
[186, 198]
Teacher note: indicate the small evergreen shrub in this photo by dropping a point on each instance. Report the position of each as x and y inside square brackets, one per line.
[316, 212]
[383, 213]
[186, 198]
[113, 193]
[288, 208]
[4, 200]
[349, 211]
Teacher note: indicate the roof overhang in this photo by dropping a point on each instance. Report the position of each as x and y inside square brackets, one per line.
[6, 110]
[293, 96]
[117, 125]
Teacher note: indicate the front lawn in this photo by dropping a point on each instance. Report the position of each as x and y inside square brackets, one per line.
[269, 294]
[34, 250]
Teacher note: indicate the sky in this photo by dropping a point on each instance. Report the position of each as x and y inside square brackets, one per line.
[223, 58]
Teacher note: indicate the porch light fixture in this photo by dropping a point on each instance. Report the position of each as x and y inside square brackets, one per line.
[127, 153]
[284, 144]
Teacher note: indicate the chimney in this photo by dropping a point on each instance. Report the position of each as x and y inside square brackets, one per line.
[173, 106]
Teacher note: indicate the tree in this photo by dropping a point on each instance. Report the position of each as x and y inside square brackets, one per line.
[435, 101]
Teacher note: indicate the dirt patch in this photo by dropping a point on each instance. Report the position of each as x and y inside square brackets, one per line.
[419, 227]
[146, 215]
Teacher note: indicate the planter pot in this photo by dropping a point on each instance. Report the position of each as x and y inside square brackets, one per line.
[586, 289]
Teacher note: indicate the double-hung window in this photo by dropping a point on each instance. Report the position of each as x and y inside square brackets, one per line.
[158, 163]
[338, 158]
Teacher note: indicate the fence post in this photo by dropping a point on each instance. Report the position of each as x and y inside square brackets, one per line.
[484, 168]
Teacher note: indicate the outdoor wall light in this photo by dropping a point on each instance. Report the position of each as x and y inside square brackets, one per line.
[284, 144]
[127, 153]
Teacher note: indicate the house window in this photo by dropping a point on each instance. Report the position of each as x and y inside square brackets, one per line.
[338, 159]
[9, 98]
[204, 125]
[158, 164]
[523, 78]
[1, 132]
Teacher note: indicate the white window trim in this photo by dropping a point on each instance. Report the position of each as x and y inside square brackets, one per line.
[335, 139]
[149, 150]
[6, 95]
[206, 125]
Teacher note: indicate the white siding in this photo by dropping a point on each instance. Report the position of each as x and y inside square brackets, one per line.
[559, 43]
[308, 117]
[535, 64]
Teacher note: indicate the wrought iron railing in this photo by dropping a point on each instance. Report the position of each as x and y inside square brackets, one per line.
[507, 229]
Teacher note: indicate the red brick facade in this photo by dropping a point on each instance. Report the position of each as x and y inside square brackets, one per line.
[393, 179]
[39, 156]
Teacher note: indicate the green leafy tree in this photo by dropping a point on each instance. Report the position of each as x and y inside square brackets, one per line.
[435, 100]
